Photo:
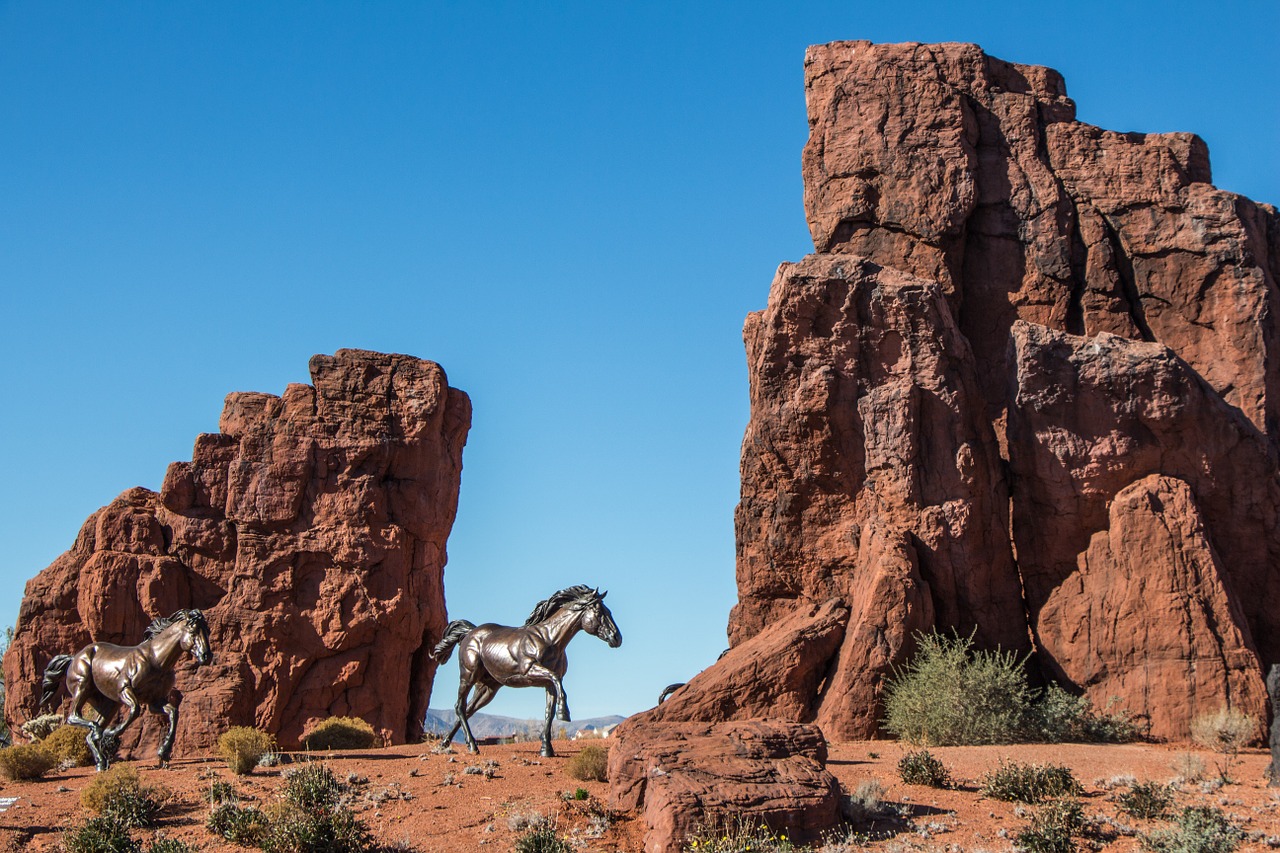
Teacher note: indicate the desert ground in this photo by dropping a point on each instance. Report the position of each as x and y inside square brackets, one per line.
[418, 799]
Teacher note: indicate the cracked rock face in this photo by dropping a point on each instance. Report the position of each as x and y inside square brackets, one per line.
[311, 530]
[1026, 388]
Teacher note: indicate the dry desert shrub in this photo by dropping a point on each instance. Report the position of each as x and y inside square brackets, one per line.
[340, 733]
[41, 727]
[67, 745]
[25, 761]
[591, 764]
[1225, 731]
[242, 747]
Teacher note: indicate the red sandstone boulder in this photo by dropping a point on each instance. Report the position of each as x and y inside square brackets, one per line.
[686, 776]
[777, 673]
[312, 533]
[1147, 613]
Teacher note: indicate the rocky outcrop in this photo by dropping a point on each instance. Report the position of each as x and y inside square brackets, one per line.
[683, 777]
[1014, 322]
[311, 530]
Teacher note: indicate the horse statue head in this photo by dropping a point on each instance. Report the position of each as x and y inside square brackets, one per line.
[596, 618]
[195, 633]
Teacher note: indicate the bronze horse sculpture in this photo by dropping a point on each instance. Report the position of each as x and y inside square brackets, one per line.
[105, 676]
[492, 656]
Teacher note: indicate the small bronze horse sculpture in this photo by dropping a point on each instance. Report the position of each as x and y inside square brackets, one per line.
[533, 656]
[106, 676]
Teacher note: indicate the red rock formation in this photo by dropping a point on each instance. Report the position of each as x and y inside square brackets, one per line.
[682, 776]
[311, 531]
[1013, 318]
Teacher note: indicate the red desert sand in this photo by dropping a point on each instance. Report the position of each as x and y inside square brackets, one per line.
[417, 799]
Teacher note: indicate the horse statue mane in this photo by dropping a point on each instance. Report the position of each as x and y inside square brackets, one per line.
[544, 609]
[195, 617]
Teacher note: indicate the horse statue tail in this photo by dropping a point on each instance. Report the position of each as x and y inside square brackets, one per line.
[668, 690]
[456, 630]
[53, 675]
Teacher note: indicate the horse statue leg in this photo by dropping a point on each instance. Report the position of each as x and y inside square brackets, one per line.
[466, 679]
[170, 711]
[547, 751]
[111, 737]
[556, 702]
[101, 757]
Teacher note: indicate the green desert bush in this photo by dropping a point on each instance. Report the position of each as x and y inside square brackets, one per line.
[221, 792]
[1146, 800]
[590, 764]
[312, 787]
[1196, 829]
[170, 845]
[100, 835]
[920, 767]
[1226, 732]
[1059, 717]
[1053, 828]
[244, 826]
[291, 829]
[242, 747]
[1030, 783]
[340, 733]
[950, 693]
[25, 761]
[66, 744]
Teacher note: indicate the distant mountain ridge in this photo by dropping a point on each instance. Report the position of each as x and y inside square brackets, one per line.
[439, 722]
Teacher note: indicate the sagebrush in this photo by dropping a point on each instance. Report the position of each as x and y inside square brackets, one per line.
[1196, 829]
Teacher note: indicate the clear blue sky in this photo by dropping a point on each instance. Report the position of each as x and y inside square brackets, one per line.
[572, 207]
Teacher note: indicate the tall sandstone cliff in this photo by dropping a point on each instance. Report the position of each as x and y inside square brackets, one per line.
[1028, 387]
[311, 530]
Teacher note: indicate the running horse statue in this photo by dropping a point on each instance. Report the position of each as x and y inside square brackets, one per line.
[491, 656]
[106, 676]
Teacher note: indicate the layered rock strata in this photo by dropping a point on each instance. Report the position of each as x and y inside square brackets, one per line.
[1026, 388]
[311, 530]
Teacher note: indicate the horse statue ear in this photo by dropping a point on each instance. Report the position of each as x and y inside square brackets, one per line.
[602, 594]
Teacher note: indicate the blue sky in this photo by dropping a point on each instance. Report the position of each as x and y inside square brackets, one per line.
[570, 206]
